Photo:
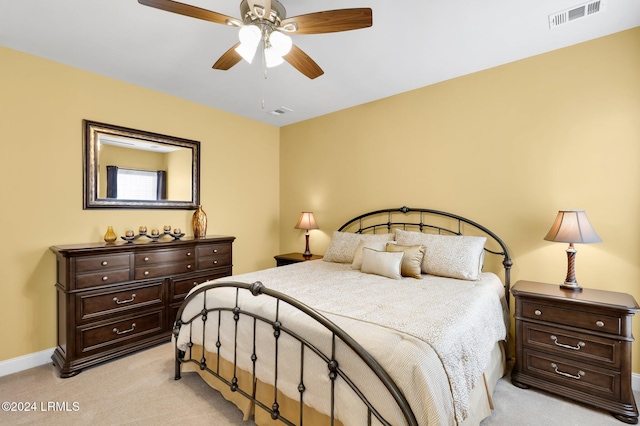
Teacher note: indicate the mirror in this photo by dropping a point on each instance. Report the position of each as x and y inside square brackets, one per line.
[127, 168]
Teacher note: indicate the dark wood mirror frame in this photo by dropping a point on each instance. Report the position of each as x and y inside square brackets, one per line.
[92, 200]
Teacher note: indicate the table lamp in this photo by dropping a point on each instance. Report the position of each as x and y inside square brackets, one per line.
[306, 222]
[573, 227]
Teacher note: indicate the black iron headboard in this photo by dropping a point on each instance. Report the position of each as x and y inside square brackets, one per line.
[410, 218]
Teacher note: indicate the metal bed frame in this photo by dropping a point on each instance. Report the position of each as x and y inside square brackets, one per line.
[211, 317]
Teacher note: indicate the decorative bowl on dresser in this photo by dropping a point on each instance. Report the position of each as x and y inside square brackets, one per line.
[116, 299]
[576, 344]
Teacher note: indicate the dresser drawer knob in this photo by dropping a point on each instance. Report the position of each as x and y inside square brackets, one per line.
[215, 262]
[188, 253]
[120, 302]
[146, 259]
[215, 250]
[195, 283]
[104, 263]
[599, 323]
[562, 373]
[146, 272]
[105, 278]
[188, 266]
[538, 312]
[577, 347]
[133, 327]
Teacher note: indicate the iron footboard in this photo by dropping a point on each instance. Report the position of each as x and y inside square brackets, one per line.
[210, 316]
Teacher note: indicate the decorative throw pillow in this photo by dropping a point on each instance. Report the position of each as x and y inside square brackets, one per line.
[343, 245]
[412, 238]
[385, 263]
[375, 245]
[412, 260]
[455, 256]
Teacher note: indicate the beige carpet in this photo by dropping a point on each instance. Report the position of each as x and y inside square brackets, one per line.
[140, 389]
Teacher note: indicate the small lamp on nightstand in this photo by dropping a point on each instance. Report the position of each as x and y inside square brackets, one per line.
[306, 222]
[573, 227]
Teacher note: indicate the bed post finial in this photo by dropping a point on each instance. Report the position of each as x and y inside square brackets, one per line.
[256, 288]
[404, 209]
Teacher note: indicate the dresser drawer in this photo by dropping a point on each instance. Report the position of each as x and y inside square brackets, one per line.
[214, 250]
[95, 279]
[574, 375]
[163, 270]
[164, 256]
[116, 333]
[178, 289]
[98, 304]
[214, 261]
[570, 317]
[593, 349]
[100, 263]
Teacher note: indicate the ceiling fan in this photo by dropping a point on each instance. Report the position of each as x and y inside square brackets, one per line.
[266, 21]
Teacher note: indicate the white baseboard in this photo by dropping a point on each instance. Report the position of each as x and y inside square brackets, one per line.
[36, 359]
[635, 382]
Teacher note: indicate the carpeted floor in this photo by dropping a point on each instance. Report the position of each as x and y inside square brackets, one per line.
[139, 390]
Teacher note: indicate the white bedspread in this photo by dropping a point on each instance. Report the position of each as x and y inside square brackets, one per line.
[433, 335]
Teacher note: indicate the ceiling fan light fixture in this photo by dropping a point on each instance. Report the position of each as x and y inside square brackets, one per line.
[272, 58]
[280, 42]
[249, 39]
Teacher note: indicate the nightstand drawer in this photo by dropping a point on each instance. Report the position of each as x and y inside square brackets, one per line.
[574, 375]
[570, 317]
[594, 349]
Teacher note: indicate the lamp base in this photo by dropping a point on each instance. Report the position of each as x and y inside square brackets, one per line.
[571, 286]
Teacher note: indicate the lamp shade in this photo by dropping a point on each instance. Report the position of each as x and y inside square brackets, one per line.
[306, 221]
[572, 226]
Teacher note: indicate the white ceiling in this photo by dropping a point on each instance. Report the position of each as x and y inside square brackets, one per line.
[413, 43]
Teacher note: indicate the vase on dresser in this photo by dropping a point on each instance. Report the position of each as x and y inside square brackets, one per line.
[110, 236]
[199, 223]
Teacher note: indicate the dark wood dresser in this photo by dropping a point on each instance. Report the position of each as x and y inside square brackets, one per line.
[114, 299]
[576, 344]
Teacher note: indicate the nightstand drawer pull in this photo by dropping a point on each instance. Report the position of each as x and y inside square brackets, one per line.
[577, 347]
[562, 373]
[120, 302]
[538, 312]
[133, 327]
[600, 323]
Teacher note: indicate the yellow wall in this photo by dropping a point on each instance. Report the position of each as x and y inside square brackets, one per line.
[42, 105]
[506, 147]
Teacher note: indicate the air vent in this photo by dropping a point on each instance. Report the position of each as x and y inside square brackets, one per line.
[280, 111]
[577, 12]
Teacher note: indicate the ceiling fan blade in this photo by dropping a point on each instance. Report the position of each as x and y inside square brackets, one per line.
[228, 59]
[329, 21]
[188, 10]
[303, 63]
[263, 9]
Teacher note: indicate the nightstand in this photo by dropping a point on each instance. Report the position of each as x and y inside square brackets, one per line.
[289, 258]
[576, 344]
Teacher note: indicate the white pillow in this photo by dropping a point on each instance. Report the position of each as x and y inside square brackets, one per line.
[454, 256]
[385, 263]
[375, 245]
[343, 245]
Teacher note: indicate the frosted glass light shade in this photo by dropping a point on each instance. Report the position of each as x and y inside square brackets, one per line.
[272, 58]
[249, 39]
[281, 43]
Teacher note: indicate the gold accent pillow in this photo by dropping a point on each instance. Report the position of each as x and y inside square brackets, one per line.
[412, 260]
[384, 263]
